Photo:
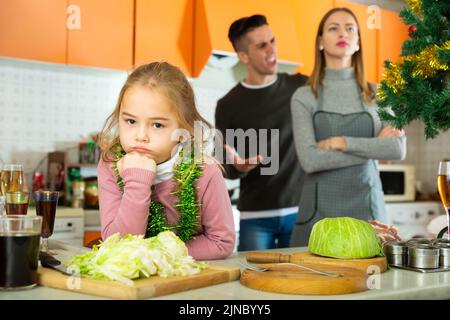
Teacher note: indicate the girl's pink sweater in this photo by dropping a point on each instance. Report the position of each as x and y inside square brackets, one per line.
[128, 212]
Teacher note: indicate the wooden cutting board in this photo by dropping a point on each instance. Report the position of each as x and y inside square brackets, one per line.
[143, 288]
[370, 266]
[293, 280]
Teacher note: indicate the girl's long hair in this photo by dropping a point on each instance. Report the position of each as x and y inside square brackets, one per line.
[318, 72]
[169, 81]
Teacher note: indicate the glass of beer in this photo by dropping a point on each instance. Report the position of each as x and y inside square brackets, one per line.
[46, 202]
[11, 178]
[19, 251]
[444, 189]
[17, 203]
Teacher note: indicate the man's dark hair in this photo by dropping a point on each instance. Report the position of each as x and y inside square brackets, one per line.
[240, 27]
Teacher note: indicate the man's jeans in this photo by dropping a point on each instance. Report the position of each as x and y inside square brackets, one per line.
[266, 233]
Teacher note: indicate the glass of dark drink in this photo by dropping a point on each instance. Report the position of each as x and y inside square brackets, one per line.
[46, 202]
[19, 251]
[17, 203]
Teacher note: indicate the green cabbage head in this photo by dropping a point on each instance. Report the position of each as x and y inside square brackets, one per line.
[344, 238]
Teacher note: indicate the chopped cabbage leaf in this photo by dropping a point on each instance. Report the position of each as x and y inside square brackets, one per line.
[133, 257]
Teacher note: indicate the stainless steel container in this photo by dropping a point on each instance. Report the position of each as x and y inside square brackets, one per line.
[423, 256]
[441, 241]
[396, 253]
[415, 241]
[444, 255]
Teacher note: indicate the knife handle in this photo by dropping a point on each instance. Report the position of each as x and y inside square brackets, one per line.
[48, 260]
[267, 257]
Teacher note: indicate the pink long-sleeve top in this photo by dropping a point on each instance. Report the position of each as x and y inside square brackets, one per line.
[128, 212]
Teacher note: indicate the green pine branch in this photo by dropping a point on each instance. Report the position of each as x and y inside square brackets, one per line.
[422, 99]
[432, 28]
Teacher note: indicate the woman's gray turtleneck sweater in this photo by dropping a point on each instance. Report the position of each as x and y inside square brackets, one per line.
[340, 95]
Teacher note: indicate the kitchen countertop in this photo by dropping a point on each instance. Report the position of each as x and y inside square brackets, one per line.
[61, 212]
[393, 284]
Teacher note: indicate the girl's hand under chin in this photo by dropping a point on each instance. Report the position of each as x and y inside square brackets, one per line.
[136, 160]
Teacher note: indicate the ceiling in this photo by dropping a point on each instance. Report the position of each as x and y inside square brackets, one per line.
[395, 5]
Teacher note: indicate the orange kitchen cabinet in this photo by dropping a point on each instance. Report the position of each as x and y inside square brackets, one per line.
[164, 32]
[368, 35]
[391, 36]
[105, 36]
[213, 19]
[33, 29]
[307, 16]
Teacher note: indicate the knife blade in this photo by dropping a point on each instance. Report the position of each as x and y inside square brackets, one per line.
[48, 261]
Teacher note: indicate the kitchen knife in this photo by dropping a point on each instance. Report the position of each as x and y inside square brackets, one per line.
[49, 261]
[304, 257]
[268, 257]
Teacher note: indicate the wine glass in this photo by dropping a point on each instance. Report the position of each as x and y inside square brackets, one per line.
[12, 179]
[46, 202]
[444, 189]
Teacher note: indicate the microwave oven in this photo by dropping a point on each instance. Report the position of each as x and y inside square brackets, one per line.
[398, 181]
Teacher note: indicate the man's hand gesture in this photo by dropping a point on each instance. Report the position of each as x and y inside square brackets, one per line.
[242, 165]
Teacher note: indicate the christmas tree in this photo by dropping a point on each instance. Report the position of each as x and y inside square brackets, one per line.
[418, 87]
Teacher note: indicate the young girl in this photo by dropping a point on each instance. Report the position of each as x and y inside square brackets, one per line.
[338, 134]
[149, 181]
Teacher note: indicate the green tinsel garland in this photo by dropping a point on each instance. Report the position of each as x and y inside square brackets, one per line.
[185, 174]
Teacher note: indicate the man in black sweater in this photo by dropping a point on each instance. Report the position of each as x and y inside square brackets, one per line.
[265, 160]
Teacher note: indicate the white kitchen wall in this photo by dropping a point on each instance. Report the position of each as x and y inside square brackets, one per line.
[47, 107]
[216, 79]
[425, 154]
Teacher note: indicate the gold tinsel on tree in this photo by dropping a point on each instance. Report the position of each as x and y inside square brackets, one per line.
[426, 66]
[427, 62]
[393, 79]
[418, 87]
[415, 6]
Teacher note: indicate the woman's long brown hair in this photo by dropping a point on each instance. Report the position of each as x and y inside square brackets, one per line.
[318, 72]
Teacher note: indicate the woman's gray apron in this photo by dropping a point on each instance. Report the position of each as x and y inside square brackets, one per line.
[353, 191]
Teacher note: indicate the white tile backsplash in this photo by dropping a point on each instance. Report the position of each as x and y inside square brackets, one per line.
[45, 107]
[215, 80]
[426, 154]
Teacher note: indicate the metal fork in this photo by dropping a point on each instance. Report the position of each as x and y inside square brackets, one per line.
[259, 269]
